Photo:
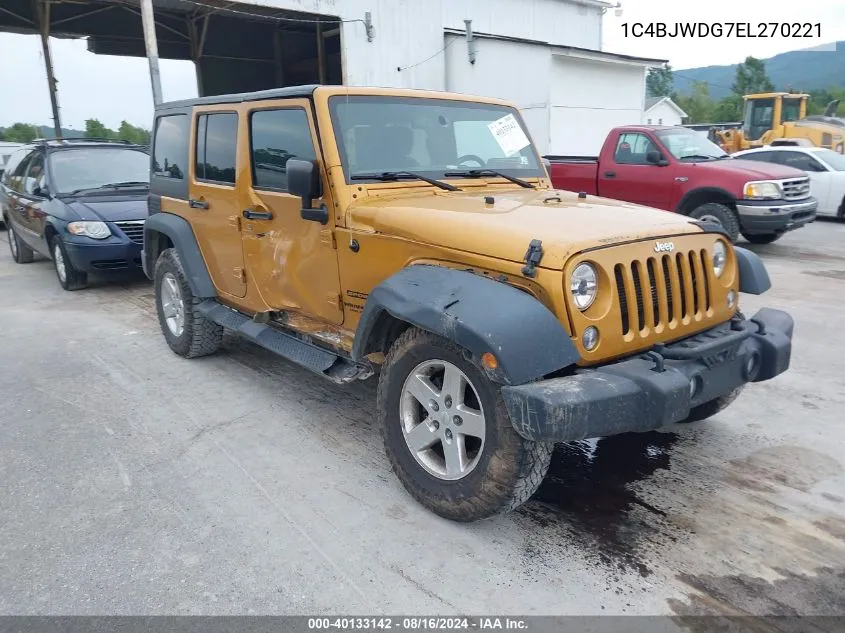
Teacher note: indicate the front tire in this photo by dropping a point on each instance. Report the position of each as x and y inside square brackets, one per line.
[721, 214]
[21, 253]
[186, 330]
[69, 277]
[764, 238]
[448, 435]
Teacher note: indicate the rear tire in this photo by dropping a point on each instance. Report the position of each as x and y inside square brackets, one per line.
[186, 330]
[69, 277]
[712, 407]
[21, 253]
[720, 214]
[497, 470]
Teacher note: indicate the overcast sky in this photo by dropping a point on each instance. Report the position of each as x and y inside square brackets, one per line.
[116, 88]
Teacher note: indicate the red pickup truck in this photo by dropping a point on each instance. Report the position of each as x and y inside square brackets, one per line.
[677, 169]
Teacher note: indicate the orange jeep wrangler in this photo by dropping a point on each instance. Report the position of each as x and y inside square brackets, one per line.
[415, 235]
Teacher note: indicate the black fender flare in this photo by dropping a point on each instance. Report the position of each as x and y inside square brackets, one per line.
[753, 276]
[477, 313]
[715, 191]
[184, 241]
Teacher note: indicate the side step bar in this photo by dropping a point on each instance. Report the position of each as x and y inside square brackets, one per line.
[319, 360]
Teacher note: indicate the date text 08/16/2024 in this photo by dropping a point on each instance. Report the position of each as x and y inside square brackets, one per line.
[416, 623]
[723, 29]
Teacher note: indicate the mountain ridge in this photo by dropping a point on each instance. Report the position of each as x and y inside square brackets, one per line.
[801, 70]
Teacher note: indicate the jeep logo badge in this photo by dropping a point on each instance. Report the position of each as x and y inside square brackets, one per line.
[664, 247]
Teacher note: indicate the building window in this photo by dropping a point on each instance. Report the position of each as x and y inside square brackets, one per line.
[649, 121]
[217, 138]
[169, 148]
[659, 121]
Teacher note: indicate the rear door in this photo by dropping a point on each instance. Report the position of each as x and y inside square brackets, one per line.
[292, 261]
[12, 182]
[627, 175]
[214, 202]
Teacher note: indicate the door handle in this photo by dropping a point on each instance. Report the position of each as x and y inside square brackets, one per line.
[252, 214]
[610, 174]
[197, 204]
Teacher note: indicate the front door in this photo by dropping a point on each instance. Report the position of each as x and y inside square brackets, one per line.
[214, 204]
[630, 177]
[292, 261]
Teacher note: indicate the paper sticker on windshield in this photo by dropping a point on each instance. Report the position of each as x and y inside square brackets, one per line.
[509, 134]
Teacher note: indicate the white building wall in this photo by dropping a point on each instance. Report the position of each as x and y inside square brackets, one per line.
[662, 114]
[409, 31]
[588, 99]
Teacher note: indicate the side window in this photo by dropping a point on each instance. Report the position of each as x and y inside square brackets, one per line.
[217, 137]
[276, 136]
[170, 146]
[764, 157]
[16, 174]
[799, 160]
[631, 149]
[34, 181]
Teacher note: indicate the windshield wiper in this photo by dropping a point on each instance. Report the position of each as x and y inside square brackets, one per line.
[111, 185]
[478, 173]
[704, 156]
[404, 175]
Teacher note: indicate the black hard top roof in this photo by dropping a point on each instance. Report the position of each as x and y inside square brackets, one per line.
[260, 95]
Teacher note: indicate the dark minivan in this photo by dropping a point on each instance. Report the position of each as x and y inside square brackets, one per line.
[80, 202]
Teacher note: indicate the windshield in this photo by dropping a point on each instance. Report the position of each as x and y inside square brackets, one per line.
[689, 145]
[90, 168]
[430, 137]
[834, 160]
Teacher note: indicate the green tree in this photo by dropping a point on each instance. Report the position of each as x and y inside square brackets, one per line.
[133, 134]
[751, 78]
[21, 133]
[727, 110]
[697, 105]
[95, 129]
[660, 82]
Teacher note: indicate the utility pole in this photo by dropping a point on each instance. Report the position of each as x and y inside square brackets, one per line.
[43, 12]
[148, 20]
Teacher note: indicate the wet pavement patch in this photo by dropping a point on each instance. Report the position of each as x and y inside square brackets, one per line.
[818, 598]
[588, 492]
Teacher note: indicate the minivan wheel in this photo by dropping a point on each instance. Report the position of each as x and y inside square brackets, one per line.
[720, 214]
[447, 432]
[69, 277]
[21, 253]
[186, 330]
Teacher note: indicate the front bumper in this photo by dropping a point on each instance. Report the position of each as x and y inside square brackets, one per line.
[110, 255]
[758, 217]
[654, 389]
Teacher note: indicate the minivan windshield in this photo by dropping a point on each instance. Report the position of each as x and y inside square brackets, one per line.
[81, 169]
[379, 136]
[689, 146]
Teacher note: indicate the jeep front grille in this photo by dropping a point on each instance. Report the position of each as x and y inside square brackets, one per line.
[133, 229]
[796, 188]
[663, 289]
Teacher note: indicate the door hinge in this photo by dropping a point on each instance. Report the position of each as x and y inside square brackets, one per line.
[235, 222]
[240, 275]
[336, 299]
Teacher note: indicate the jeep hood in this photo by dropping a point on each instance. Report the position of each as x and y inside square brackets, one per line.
[110, 209]
[464, 221]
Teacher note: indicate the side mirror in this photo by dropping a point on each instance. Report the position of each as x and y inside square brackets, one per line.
[41, 192]
[304, 181]
[656, 158]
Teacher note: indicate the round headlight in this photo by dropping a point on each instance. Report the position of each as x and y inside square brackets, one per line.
[583, 285]
[720, 257]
